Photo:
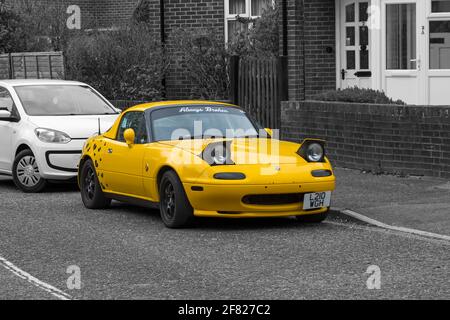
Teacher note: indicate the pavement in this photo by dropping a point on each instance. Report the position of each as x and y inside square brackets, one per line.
[126, 252]
[421, 203]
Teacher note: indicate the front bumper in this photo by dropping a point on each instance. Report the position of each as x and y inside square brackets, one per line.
[59, 161]
[227, 200]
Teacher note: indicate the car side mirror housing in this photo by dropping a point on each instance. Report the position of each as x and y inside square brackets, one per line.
[269, 131]
[5, 115]
[129, 136]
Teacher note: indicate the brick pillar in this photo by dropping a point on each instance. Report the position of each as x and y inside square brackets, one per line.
[311, 47]
[319, 34]
[295, 52]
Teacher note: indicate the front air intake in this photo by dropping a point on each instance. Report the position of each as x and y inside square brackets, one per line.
[273, 199]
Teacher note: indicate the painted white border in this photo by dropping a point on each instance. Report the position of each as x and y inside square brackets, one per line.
[34, 281]
[376, 56]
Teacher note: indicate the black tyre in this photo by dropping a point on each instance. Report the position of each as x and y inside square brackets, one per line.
[91, 191]
[26, 173]
[176, 211]
[313, 218]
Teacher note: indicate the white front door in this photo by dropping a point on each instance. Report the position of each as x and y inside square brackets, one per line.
[355, 44]
[402, 48]
[437, 51]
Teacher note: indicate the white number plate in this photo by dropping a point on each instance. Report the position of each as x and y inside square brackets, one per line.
[317, 200]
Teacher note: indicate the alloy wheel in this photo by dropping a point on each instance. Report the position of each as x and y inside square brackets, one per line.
[169, 200]
[89, 184]
[28, 172]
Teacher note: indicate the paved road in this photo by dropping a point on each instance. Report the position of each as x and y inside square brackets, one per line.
[126, 253]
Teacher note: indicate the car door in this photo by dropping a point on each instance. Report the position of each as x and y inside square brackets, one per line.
[123, 164]
[8, 128]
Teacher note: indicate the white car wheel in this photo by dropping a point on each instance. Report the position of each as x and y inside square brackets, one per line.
[26, 173]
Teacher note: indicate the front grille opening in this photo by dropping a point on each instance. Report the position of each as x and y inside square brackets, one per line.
[273, 199]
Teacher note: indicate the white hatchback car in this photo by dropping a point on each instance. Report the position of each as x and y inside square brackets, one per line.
[43, 126]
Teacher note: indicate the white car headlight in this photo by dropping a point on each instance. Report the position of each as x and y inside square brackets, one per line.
[220, 159]
[52, 136]
[218, 153]
[314, 152]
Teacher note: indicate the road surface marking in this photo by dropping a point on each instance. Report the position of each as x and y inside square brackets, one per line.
[379, 224]
[34, 281]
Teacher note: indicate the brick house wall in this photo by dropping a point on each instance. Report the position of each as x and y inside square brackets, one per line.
[379, 138]
[311, 47]
[311, 36]
[296, 59]
[320, 42]
[189, 14]
[97, 13]
[114, 12]
[184, 14]
[311, 42]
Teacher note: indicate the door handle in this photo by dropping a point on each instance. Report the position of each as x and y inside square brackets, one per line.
[417, 61]
[343, 72]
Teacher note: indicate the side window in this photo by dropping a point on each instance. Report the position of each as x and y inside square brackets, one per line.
[6, 101]
[136, 121]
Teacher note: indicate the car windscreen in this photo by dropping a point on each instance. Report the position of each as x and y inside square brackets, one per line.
[62, 100]
[197, 122]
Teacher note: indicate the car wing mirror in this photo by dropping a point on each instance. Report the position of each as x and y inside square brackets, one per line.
[129, 136]
[5, 115]
[269, 131]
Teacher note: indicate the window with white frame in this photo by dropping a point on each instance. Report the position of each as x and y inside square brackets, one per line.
[440, 6]
[401, 36]
[238, 10]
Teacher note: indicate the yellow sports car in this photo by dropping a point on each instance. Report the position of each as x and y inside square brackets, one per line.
[204, 159]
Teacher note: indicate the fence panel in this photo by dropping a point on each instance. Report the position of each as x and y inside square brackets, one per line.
[258, 87]
[32, 65]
